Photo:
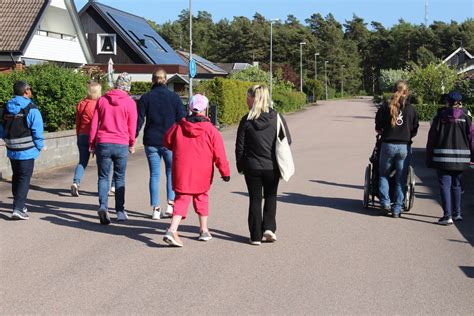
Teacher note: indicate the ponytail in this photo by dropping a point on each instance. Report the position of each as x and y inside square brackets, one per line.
[400, 94]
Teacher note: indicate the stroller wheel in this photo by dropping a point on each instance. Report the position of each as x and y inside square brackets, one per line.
[365, 201]
[410, 193]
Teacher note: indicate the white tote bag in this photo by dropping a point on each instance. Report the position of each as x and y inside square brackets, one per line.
[283, 152]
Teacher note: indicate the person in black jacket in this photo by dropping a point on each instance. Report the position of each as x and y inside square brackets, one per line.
[449, 151]
[255, 158]
[161, 108]
[397, 123]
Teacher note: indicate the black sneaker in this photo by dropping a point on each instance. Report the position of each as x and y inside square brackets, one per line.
[103, 216]
[385, 209]
[458, 218]
[396, 215]
[445, 220]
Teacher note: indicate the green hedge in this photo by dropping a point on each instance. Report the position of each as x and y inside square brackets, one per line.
[56, 92]
[230, 96]
[140, 87]
[426, 112]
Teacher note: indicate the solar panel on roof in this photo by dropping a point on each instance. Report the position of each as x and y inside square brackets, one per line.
[207, 63]
[144, 36]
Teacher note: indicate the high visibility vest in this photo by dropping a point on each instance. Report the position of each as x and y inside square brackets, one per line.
[18, 136]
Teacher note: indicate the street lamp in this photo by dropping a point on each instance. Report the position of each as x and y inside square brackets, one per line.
[316, 66]
[301, 65]
[326, 73]
[271, 55]
[315, 72]
[190, 50]
[342, 81]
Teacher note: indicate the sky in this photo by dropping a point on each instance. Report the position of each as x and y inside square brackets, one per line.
[387, 12]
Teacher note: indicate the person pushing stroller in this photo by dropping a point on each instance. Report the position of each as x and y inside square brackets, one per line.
[397, 123]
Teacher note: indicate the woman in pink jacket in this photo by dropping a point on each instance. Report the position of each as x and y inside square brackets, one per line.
[197, 146]
[112, 137]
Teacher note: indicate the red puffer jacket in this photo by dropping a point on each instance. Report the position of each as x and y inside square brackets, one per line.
[197, 146]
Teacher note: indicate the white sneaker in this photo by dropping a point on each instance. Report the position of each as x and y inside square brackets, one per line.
[269, 236]
[156, 214]
[255, 242]
[169, 210]
[74, 189]
[112, 191]
[122, 216]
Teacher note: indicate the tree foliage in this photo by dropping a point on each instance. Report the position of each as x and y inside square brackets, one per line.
[364, 48]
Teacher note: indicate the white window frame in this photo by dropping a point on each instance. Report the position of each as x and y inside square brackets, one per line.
[99, 44]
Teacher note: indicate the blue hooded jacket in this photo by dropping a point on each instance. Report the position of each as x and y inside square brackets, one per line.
[35, 123]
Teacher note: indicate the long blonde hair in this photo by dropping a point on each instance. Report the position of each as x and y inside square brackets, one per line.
[400, 94]
[261, 102]
[94, 90]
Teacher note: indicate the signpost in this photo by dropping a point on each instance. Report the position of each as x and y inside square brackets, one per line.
[192, 68]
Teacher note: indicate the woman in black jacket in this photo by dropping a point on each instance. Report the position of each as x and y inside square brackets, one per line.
[397, 123]
[255, 157]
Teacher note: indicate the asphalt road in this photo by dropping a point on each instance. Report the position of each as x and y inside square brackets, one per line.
[332, 256]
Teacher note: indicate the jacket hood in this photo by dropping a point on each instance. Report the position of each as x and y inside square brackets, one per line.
[264, 120]
[15, 105]
[193, 126]
[452, 113]
[116, 96]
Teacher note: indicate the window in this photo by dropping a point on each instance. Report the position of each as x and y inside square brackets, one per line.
[106, 44]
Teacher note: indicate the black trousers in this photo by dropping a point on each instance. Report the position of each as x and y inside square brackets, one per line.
[22, 172]
[258, 181]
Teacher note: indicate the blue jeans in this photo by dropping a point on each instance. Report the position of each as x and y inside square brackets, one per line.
[108, 154]
[450, 191]
[393, 156]
[154, 155]
[83, 146]
[22, 172]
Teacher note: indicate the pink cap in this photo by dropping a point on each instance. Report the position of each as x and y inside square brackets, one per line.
[198, 103]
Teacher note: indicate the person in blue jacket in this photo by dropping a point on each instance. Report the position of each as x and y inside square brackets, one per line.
[22, 132]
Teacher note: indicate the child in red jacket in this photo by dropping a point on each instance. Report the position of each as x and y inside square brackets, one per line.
[197, 146]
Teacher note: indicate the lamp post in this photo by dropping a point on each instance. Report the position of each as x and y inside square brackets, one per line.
[342, 81]
[271, 56]
[190, 49]
[316, 66]
[301, 65]
[326, 74]
[315, 72]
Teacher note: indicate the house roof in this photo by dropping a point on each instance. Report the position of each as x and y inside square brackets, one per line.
[138, 34]
[457, 51]
[19, 21]
[204, 66]
[234, 67]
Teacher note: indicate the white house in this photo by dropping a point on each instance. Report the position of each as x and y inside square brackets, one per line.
[38, 31]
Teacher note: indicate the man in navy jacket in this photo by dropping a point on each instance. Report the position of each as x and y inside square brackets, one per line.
[161, 108]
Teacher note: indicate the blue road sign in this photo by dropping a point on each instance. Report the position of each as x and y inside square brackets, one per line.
[192, 68]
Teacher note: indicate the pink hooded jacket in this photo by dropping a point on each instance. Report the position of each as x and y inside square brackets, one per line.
[114, 120]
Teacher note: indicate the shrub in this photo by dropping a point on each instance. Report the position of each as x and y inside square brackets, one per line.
[466, 87]
[251, 74]
[426, 112]
[230, 97]
[314, 87]
[388, 78]
[429, 83]
[56, 92]
[140, 87]
[288, 101]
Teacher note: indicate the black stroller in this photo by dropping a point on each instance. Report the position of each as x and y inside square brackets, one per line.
[371, 182]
